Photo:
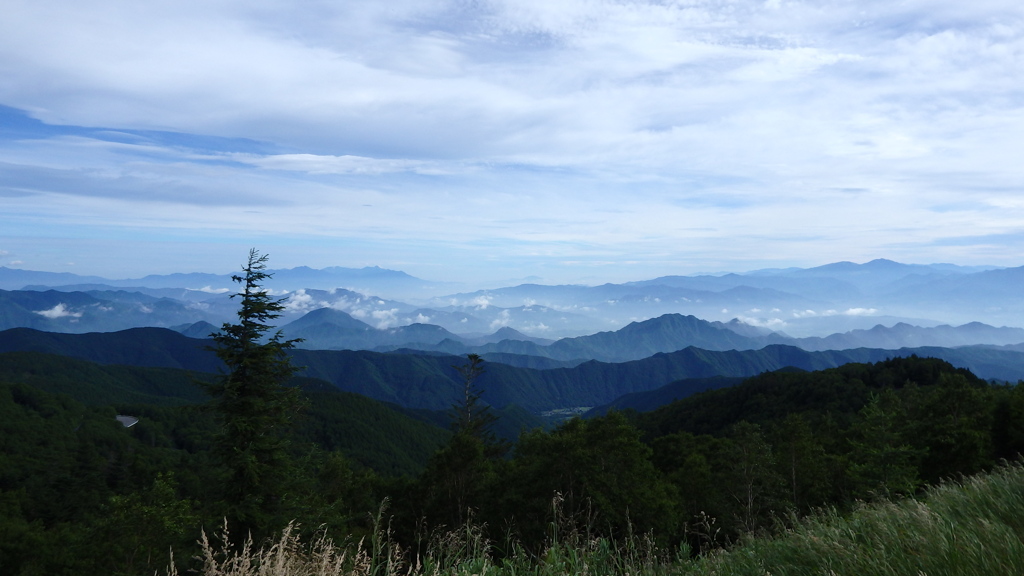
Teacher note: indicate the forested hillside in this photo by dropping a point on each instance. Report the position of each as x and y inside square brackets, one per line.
[736, 459]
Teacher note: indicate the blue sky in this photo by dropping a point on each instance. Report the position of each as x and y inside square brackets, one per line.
[491, 141]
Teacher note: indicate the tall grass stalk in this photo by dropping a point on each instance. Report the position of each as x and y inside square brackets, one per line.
[966, 528]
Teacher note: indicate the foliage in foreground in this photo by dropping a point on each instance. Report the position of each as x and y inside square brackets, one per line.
[972, 527]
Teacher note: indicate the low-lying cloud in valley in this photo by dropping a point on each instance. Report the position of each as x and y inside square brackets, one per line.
[59, 311]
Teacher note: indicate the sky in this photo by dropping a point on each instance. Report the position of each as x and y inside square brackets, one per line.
[556, 141]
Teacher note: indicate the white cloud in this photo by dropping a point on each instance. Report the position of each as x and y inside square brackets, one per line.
[59, 311]
[386, 318]
[211, 290]
[770, 323]
[480, 302]
[501, 320]
[300, 301]
[830, 312]
[474, 136]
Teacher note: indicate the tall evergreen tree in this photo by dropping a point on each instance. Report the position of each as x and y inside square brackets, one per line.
[254, 405]
[469, 415]
[456, 475]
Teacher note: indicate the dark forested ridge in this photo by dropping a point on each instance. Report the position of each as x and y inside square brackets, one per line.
[97, 384]
[652, 399]
[80, 493]
[331, 420]
[429, 381]
[150, 347]
[804, 439]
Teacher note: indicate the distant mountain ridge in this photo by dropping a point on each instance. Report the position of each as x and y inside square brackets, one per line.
[145, 347]
[431, 381]
[371, 278]
[57, 311]
[904, 335]
[672, 332]
[820, 302]
[329, 328]
[838, 294]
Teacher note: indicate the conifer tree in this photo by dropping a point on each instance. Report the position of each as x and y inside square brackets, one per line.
[456, 474]
[469, 415]
[254, 406]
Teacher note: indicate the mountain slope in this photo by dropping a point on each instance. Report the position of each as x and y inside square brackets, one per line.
[430, 381]
[652, 399]
[150, 347]
[376, 435]
[666, 333]
[96, 384]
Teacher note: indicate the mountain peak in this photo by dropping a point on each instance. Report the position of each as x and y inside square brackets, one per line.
[509, 333]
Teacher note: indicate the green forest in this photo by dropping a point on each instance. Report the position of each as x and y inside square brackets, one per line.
[80, 493]
[264, 451]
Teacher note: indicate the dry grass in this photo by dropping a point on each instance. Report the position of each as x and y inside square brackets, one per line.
[285, 557]
[974, 527]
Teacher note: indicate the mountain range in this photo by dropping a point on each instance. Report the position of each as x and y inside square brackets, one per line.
[431, 381]
[547, 347]
[331, 329]
[814, 302]
[370, 278]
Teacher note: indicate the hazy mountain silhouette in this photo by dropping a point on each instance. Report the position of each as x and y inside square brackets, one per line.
[815, 302]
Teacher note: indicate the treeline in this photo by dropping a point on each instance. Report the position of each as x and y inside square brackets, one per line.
[79, 493]
[715, 466]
